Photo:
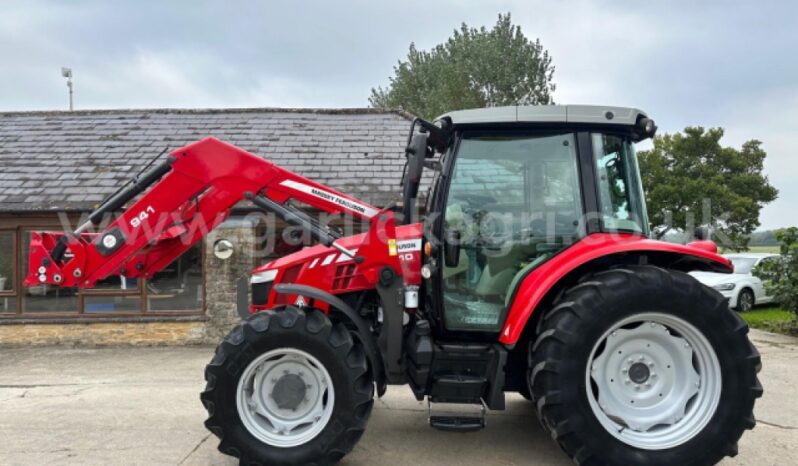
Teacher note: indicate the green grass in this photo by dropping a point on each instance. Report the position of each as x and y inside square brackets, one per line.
[769, 249]
[772, 319]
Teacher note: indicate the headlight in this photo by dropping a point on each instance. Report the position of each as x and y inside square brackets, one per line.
[724, 287]
[263, 277]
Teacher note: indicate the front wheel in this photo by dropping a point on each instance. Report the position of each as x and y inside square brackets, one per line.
[288, 387]
[644, 366]
[745, 301]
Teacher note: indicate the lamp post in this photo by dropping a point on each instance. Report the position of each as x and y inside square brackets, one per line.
[67, 73]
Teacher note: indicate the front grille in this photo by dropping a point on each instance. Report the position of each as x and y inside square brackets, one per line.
[260, 293]
[343, 276]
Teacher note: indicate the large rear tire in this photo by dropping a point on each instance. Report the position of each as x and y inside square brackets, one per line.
[288, 387]
[644, 366]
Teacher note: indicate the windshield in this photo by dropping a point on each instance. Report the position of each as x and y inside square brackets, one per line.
[622, 206]
[517, 185]
[742, 265]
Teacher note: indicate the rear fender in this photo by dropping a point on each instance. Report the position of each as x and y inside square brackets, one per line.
[598, 252]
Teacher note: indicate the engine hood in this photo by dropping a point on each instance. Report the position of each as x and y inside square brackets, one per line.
[309, 253]
[319, 256]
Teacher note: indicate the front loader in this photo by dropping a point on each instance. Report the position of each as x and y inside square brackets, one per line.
[531, 271]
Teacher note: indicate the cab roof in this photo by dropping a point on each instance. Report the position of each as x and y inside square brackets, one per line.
[585, 114]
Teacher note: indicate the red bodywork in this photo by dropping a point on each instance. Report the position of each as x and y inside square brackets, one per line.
[332, 271]
[535, 286]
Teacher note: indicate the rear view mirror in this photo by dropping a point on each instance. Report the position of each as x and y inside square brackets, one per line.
[451, 248]
[416, 152]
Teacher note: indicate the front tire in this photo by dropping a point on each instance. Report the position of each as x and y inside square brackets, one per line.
[644, 366]
[288, 387]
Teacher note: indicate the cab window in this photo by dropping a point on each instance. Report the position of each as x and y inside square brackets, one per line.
[514, 200]
[621, 201]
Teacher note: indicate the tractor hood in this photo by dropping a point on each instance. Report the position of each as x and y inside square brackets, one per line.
[310, 253]
[330, 270]
[408, 240]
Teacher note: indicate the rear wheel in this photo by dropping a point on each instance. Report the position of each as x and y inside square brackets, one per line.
[644, 366]
[288, 387]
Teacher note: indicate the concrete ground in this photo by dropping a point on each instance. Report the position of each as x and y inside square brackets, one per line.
[141, 406]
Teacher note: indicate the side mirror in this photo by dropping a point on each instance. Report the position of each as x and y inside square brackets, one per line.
[416, 152]
[451, 248]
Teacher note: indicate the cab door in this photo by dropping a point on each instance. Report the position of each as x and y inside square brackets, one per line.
[513, 201]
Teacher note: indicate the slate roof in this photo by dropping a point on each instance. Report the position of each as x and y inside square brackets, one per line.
[72, 160]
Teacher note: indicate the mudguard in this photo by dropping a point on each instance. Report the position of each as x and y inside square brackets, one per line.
[534, 287]
[363, 333]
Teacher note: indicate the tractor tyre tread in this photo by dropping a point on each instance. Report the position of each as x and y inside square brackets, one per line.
[557, 379]
[307, 329]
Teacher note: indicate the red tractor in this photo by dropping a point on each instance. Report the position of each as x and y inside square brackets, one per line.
[531, 271]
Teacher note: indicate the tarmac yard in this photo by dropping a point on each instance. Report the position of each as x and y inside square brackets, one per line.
[140, 406]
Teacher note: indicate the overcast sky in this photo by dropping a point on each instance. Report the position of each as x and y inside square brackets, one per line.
[726, 63]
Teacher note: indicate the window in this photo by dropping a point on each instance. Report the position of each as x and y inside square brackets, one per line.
[178, 287]
[113, 294]
[743, 265]
[514, 200]
[620, 189]
[177, 290]
[8, 301]
[99, 304]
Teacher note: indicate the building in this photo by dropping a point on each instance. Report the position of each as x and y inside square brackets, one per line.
[57, 166]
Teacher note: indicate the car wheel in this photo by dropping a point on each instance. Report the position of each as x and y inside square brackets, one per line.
[745, 301]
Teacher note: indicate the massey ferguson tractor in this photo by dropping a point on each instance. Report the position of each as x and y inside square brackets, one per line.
[530, 271]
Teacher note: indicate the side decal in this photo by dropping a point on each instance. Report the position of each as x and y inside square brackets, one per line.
[354, 206]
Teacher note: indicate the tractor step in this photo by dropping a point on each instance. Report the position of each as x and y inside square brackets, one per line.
[458, 389]
[457, 423]
[456, 417]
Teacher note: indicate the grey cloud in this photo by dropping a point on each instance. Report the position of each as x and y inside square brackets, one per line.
[711, 63]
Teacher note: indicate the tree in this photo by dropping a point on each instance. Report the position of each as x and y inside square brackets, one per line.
[691, 179]
[781, 276]
[474, 68]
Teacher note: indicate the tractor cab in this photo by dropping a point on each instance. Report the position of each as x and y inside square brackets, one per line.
[514, 187]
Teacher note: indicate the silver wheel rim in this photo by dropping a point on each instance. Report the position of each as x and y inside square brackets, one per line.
[746, 301]
[653, 381]
[285, 397]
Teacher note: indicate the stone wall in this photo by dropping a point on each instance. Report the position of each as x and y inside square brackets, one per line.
[221, 277]
[104, 333]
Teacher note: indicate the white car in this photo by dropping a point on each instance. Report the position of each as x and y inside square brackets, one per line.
[742, 288]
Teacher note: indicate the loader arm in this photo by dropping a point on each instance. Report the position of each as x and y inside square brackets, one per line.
[184, 198]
